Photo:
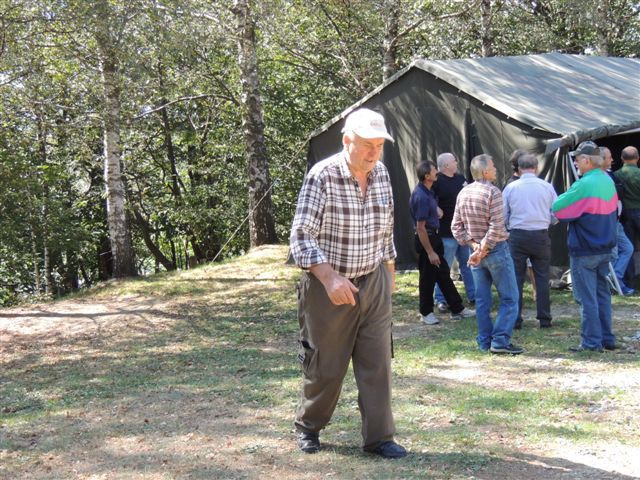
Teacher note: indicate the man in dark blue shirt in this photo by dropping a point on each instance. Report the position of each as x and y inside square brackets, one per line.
[432, 266]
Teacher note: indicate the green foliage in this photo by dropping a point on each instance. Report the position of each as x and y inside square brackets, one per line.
[181, 135]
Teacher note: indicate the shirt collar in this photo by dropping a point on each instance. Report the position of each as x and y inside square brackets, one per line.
[346, 173]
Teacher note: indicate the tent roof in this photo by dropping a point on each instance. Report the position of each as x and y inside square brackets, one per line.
[554, 92]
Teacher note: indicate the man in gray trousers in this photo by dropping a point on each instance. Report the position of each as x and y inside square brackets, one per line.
[342, 238]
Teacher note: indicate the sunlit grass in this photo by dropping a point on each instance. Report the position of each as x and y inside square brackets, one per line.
[226, 334]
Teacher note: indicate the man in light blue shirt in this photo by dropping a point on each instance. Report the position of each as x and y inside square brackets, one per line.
[527, 210]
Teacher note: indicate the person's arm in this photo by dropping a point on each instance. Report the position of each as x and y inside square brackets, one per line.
[506, 195]
[421, 229]
[307, 222]
[458, 229]
[390, 265]
[496, 221]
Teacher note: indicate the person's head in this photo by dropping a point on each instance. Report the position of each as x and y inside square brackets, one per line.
[606, 157]
[527, 163]
[588, 157]
[426, 170]
[364, 134]
[515, 156]
[482, 168]
[447, 164]
[629, 155]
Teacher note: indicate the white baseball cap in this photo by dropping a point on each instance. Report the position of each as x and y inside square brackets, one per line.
[366, 124]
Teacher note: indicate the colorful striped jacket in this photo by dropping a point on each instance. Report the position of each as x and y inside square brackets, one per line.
[590, 207]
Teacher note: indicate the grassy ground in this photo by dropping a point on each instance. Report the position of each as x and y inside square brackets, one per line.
[194, 375]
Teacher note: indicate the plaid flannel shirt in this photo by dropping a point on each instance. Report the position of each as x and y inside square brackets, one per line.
[479, 215]
[334, 224]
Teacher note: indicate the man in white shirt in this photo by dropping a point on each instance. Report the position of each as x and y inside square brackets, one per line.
[527, 206]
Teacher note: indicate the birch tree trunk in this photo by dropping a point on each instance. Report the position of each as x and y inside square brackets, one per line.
[119, 232]
[261, 223]
[487, 36]
[390, 42]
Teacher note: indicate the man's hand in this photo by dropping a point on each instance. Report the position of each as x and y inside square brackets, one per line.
[339, 289]
[434, 258]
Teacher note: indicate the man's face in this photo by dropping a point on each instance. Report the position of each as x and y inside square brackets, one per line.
[432, 176]
[583, 162]
[607, 159]
[363, 153]
[490, 172]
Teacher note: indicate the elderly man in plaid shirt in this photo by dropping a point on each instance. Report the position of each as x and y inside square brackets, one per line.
[342, 238]
[478, 221]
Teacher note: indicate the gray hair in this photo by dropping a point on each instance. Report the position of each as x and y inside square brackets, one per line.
[444, 158]
[595, 160]
[479, 164]
[528, 162]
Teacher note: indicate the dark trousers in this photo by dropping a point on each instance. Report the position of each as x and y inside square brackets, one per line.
[536, 246]
[332, 335]
[430, 275]
[632, 229]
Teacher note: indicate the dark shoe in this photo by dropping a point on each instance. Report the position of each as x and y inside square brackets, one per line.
[580, 348]
[389, 449]
[615, 346]
[518, 325]
[308, 442]
[512, 349]
[545, 325]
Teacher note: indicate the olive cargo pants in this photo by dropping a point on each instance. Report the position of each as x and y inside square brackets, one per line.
[331, 335]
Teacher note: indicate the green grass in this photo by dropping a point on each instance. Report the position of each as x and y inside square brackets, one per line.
[216, 346]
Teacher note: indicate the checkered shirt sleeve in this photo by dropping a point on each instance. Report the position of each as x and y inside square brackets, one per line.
[334, 224]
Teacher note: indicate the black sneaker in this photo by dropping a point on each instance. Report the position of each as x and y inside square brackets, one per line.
[511, 348]
[612, 347]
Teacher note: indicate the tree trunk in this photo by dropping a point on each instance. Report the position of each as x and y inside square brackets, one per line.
[48, 278]
[145, 229]
[119, 233]
[36, 262]
[390, 42]
[487, 36]
[261, 223]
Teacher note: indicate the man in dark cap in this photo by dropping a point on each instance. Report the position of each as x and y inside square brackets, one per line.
[590, 208]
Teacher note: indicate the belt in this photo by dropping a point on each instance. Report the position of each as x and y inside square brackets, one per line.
[358, 280]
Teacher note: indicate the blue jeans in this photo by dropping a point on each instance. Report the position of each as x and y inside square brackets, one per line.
[622, 253]
[461, 252]
[496, 269]
[590, 286]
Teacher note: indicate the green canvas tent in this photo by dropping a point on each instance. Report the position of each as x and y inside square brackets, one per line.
[545, 103]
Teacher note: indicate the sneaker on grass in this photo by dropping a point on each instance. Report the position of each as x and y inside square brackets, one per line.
[443, 307]
[430, 319]
[465, 313]
[512, 349]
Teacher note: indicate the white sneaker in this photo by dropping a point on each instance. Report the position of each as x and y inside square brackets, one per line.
[430, 319]
[465, 313]
[443, 307]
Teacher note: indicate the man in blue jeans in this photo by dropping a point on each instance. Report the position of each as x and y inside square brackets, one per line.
[478, 221]
[590, 208]
[446, 189]
[623, 251]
